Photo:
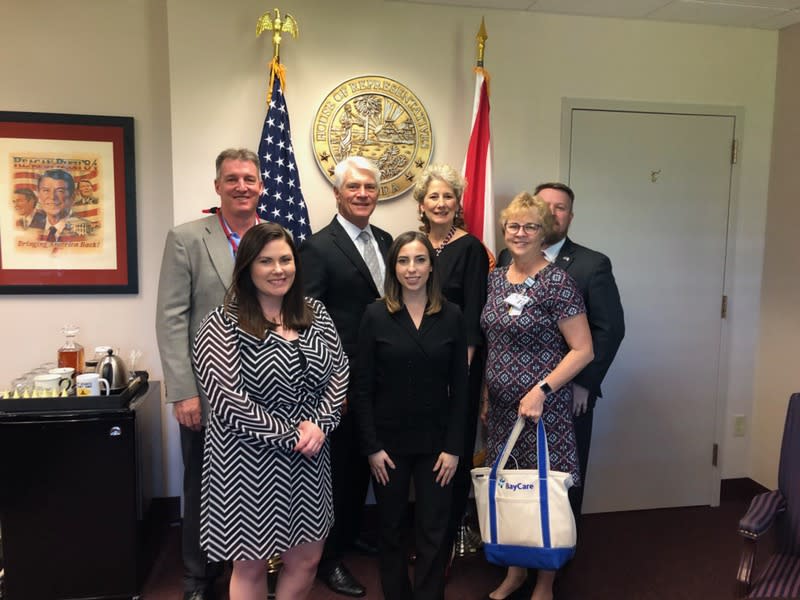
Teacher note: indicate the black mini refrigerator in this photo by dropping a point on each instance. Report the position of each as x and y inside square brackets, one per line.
[68, 504]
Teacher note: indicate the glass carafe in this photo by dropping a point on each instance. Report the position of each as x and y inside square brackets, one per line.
[71, 353]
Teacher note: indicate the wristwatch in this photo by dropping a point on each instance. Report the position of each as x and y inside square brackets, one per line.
[545, 387]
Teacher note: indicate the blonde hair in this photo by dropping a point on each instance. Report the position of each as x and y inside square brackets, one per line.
[525, 202]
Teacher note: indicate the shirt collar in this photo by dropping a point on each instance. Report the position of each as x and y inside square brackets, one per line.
[352, 230]
[551, 252]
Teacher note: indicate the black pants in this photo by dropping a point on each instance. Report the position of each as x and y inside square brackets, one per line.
[431, 512]
[198, 573]
[583, 439]
[462, 480]
[350, 479]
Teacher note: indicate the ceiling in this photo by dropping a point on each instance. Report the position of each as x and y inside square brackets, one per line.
[763, 14]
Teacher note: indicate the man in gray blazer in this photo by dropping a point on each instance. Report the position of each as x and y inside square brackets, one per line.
[592, 273]
[195, 272]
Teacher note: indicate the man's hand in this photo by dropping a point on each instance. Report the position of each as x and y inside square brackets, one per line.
[189, 413]
[580, 399]
[311, 439]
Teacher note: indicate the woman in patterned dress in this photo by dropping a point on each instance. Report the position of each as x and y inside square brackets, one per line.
[538, 339]
[272, 367]
[463, 264]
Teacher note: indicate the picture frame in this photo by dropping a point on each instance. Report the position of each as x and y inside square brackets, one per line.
[70, 224]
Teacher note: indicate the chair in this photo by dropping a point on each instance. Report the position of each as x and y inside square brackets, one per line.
[780, 576]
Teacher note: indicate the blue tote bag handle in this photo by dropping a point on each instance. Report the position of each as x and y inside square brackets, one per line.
[543, 468]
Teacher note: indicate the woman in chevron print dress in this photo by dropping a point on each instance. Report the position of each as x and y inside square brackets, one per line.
[272, 367]
[537, 339]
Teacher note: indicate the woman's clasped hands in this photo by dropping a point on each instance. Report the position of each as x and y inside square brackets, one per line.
[311, 439]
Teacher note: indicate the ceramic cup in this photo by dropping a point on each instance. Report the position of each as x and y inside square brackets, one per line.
[89, 384]
[51, 383]
[68, 374]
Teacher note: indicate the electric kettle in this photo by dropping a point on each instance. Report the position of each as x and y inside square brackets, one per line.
[112, 368]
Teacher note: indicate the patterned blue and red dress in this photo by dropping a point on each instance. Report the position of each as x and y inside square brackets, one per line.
[522, 350]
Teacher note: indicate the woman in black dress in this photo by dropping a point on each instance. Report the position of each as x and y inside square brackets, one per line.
[410, 404]
[462, 264]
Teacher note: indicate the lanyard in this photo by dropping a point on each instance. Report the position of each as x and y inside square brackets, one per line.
[229, 234]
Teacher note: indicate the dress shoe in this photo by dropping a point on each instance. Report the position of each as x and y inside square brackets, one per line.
[200, 594]
[362, 546]
[341, 581]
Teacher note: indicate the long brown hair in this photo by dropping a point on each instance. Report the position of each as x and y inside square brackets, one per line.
[393, 290]
[295, 313]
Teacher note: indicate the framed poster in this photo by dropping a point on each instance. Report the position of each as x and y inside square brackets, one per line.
[68, 225]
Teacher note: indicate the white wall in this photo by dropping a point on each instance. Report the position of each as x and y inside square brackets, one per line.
[218, 71]
[195, 83]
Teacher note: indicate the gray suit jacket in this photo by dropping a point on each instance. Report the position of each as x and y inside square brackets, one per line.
[196, 271]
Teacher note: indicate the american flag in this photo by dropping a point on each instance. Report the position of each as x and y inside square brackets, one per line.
[282, 199]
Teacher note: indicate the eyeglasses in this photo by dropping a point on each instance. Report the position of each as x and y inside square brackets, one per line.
[529, 228]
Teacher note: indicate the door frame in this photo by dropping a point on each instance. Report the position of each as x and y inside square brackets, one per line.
[568, 105]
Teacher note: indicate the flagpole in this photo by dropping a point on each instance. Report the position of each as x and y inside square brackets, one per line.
[281, 199]
[267, 22]
[478, 198]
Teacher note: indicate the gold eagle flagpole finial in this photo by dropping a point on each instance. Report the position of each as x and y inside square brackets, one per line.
[482, 37]
[277, 26]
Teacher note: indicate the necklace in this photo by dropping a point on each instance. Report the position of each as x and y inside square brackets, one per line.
[446, 240]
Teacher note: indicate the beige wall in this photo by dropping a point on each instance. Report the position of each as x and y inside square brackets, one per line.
[778, 364]
[195, 83]
[97, 58]
[218, 73]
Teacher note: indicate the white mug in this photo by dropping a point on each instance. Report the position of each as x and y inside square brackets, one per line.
[89, 384]
[50, 383]
[65, 373]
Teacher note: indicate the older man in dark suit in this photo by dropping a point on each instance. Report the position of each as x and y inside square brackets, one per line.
[344, 268]
[591, 270]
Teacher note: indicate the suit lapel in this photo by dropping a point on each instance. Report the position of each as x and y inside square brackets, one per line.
[383, 242]
[404, 322]
[348, 248]
[566, 257]
[219, 250]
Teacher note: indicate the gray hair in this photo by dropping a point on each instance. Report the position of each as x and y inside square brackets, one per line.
[358, 163]
[236, 154]
[439, 172]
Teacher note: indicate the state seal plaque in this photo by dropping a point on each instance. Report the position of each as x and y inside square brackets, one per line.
[377, 118]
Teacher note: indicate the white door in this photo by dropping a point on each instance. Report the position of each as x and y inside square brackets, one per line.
[652, 192]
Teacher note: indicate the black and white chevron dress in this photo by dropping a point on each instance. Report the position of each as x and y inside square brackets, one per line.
[260, 497]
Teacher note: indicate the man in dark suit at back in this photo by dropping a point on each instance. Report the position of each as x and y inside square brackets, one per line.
[344, 267]
[592, 272]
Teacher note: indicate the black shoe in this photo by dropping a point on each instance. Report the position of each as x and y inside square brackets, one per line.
[200, 594]
[341, 581]
[362, 546]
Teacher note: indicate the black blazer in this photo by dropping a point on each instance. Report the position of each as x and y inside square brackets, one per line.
[591, 271]
[411, 385]
[335, 274]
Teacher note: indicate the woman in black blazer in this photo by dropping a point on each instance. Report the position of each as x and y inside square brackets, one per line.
[410, 404]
